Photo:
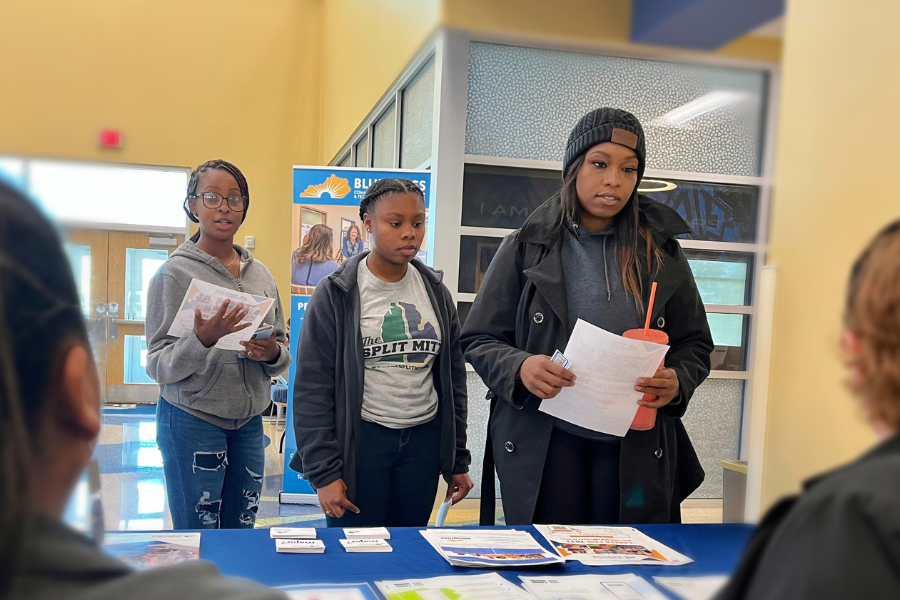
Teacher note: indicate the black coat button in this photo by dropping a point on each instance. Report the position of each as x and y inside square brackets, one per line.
[658, 453]
[660, 323]
[538, 318]
[510, 446]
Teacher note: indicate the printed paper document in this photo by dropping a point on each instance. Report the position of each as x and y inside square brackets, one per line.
[607, 366]
[492, 548]
[591, 587]
[350, 591]
[209, 298]
[597, 545]
[461, 587]
[694, 588]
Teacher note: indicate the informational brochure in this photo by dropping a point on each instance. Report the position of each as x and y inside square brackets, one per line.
[694, 588]
[489, 548]
[149, 550]
[607, 367]
[597, 545]
[490, 586]
[591, 587]
[337, 591]
[209, 298]
[290, 546]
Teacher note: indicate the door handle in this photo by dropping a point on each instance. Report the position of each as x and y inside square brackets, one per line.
[113, 321]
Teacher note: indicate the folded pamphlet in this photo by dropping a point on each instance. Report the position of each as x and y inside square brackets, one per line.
[300, 546]
[490, 586]
[209, 298]
[292, 533]
[489, 548]
[593, 587]
[367, 533]
[366, 546]
[597, 545]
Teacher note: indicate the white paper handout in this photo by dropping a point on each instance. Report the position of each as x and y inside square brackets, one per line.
[208, 298]
[490, 586]
[351, 591]
[694, 588]
[591, 587]
[489, 548]
[607, 366]
[597, 545]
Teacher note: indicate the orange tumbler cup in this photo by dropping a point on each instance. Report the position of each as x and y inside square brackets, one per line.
[645, 419]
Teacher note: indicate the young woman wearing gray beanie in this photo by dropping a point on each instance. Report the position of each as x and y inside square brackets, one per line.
[591, 252]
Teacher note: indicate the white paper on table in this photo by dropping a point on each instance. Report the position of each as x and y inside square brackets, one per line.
[490, 586]
[607, 367]
[694, 588]
[595, 545]
[591, 587]
[489, 548]
[329, 592]
[208, 298]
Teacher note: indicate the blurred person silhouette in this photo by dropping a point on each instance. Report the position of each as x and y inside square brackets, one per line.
[840, 538]
[49, 423]
[312, 261]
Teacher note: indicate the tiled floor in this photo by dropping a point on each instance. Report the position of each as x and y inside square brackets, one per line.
[134, 493]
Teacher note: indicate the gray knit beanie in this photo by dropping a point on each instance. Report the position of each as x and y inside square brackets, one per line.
[606, 125]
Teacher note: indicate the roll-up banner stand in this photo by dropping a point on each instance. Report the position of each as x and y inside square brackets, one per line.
[329, 196]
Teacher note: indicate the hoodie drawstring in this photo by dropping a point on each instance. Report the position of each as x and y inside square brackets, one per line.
[606, 270]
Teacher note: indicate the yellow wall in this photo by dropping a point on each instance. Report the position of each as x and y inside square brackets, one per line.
[837, 142]
[366, 44]
[185, 81]
[593, 21]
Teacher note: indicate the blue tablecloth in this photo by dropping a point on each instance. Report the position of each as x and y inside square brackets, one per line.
[714, 548]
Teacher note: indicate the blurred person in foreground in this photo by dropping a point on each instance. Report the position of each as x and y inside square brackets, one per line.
[49, 423]
[840, 538]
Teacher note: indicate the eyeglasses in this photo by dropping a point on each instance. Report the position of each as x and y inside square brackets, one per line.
[214, 200]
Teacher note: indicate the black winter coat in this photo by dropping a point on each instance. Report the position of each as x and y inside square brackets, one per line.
[521, 310]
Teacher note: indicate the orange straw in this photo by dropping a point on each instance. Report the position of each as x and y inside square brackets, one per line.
[650, 309]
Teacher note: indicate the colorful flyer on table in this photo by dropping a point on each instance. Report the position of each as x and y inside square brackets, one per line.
[596, 545]
[489, 548]
[149, 550]
[461, 587]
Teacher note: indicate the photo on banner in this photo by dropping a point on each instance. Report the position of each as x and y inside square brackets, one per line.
[325, 231]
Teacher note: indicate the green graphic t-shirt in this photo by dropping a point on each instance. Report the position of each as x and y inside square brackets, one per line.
[401, 338]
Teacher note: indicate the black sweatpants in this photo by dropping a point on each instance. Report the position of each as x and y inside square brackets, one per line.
[397, 473]
[580, 485]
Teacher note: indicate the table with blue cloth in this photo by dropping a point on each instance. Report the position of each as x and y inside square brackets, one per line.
[715, 550]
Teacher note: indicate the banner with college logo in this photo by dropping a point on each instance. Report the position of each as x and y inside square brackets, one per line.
[325, 231]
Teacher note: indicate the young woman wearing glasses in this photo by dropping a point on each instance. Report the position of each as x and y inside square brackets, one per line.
[209, 428]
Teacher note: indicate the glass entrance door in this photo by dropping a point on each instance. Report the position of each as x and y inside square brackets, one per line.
[113, 271]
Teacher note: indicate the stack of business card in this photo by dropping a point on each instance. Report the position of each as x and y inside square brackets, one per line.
[366, 546]
[367, 533]
[300, 546]
[292, 533]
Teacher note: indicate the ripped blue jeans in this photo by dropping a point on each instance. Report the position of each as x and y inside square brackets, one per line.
[213, 475]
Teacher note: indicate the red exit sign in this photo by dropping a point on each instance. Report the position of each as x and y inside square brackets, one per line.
[110, 138]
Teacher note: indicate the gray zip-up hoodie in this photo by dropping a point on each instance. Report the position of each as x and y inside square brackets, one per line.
[209, 383]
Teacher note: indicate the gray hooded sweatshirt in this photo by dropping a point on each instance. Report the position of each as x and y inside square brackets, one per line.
[209, 383]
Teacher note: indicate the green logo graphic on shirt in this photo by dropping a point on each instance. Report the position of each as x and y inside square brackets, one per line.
[405, 337]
